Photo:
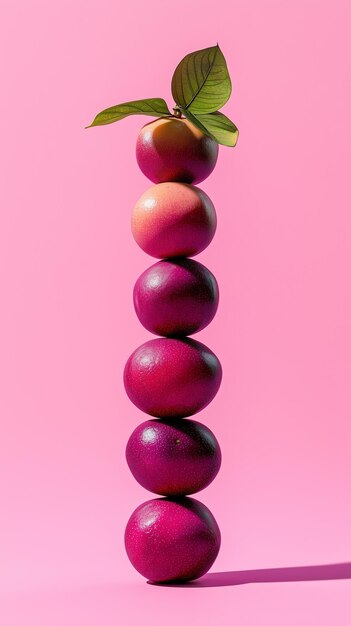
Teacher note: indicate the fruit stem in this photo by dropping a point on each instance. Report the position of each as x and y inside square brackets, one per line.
[177, 112]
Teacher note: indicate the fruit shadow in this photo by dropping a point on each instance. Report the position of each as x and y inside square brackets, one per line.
[333, 571]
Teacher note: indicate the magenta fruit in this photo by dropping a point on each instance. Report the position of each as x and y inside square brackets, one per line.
[173, 457]
[172, 539]
[176, 297]
[171, 377]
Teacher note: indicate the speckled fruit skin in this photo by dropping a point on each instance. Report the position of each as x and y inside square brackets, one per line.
[170, 149]
[173, 457]
[173, 220]
[170, 377]
[176, 297]
[169, 539]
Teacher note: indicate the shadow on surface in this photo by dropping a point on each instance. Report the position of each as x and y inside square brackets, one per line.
[334, 571]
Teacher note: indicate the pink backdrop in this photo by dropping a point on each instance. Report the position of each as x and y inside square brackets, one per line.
[282, 257]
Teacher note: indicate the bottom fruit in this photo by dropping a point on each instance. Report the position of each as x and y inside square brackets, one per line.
[172, 539]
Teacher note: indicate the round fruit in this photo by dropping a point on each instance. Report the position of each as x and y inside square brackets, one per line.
[172, 539]
[172, 377]
[173, 219]
[173, 458]
[176, 297]
[173, 149]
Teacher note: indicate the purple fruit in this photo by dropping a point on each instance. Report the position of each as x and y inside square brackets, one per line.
[173, 458]
[174, 149]
[172, 377]
[172, 539]
[176, 297]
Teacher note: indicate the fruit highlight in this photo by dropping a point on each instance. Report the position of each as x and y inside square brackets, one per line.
[173, 219]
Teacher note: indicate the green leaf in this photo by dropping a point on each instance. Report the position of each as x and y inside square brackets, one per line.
[221, 127]
[155, 107]
[201, 82]
[215, 125]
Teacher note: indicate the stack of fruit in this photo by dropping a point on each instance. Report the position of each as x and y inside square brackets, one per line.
[173, 376]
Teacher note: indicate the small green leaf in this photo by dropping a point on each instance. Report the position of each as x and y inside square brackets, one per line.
[221, 127]
[201, 82]
[155, 107]
[215, 125]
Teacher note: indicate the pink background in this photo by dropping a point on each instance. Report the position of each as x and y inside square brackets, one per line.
[282, 257]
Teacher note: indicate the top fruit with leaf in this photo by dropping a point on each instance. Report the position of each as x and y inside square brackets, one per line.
[183, 145]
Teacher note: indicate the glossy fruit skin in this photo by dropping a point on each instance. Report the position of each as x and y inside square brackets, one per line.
[176, 297]
[171, 149]
[173, 219]
[173, 457]
[170, 539]
[171, 377]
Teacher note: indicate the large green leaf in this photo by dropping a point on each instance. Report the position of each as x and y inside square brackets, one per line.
[155, 107]
[215, 125]
[201, 82]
